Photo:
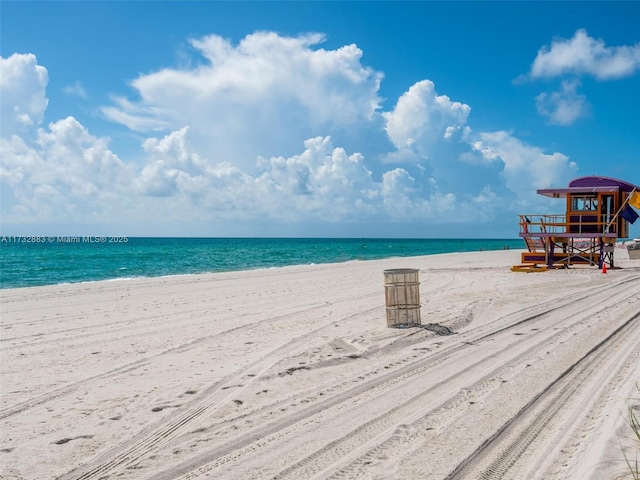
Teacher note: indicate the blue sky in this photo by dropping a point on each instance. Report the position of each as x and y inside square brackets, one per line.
[354, 119]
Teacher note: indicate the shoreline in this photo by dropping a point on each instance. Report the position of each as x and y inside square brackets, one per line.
[115, 279]
[292, 371]
[46, 264]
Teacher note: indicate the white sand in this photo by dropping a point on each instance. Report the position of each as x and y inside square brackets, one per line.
[293, 373]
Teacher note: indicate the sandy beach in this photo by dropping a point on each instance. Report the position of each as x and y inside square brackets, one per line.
[292, 373]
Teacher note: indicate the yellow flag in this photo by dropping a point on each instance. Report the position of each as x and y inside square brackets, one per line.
[634, 199]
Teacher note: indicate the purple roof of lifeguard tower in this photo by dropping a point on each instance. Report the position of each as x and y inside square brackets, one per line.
[590, 182]
[590, 185]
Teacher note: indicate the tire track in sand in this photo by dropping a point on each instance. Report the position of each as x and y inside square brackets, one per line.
[334, 453]
[360, 442]
[150, 440]
[493, 459]
[10, 411]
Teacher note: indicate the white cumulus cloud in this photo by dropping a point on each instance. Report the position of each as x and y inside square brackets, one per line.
[585, 55]
[565, 106]
[258, 97]
[66, 174]
[526, 167]
[23, 101]
[422, 119]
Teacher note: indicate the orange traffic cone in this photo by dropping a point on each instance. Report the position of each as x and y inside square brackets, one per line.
[604, 267]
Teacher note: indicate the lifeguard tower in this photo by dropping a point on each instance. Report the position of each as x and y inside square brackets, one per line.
[588, 230]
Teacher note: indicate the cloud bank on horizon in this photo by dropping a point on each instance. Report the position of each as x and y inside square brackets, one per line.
[276, 135]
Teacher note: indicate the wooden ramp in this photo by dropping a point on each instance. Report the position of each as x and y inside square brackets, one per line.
[529, 268]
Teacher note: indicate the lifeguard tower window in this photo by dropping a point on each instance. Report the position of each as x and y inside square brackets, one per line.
[584, 204]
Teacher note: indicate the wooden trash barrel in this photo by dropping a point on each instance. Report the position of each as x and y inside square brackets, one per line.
[402, 297]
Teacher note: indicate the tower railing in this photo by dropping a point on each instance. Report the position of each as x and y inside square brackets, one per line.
[589, 224]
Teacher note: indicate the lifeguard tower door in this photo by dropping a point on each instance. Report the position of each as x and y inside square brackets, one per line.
[607, 206]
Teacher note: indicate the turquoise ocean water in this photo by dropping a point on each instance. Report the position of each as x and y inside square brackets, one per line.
[35, 261]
